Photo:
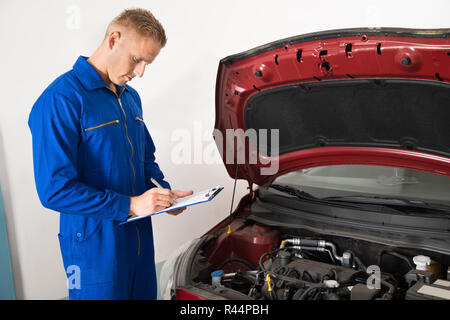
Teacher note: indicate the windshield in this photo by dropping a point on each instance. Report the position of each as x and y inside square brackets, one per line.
[369, 180]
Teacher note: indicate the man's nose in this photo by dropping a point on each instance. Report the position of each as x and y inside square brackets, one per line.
[139, 70]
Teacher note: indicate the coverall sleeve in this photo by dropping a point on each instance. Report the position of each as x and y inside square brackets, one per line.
[55, 127]
[152, 169]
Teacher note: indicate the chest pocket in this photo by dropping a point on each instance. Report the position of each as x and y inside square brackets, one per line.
[108, 123]
[136, 118]
[102, 142]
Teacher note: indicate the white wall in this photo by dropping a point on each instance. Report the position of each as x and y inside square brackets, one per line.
[40, 40]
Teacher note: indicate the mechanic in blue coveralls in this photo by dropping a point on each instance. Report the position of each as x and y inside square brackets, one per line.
[93, 160]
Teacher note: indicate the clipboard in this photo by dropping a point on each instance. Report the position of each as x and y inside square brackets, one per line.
[196, 198]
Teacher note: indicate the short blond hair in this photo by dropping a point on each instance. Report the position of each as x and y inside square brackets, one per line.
[143, 22]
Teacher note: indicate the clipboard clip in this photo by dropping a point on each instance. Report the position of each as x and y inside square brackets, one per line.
[212, 192]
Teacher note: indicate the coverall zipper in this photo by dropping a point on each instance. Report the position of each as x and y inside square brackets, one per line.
[132, 151]
[131, 161]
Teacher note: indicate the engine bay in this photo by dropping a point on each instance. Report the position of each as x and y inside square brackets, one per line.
[263, 262]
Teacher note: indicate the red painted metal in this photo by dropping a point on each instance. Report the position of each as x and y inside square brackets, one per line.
[184, 294]
[359, 57]
[248, 242]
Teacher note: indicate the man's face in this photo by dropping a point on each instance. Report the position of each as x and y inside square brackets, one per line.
[130, 54]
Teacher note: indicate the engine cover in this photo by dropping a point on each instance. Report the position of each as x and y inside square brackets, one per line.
[314, 269]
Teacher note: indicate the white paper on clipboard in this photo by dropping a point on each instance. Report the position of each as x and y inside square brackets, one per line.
[196, 198]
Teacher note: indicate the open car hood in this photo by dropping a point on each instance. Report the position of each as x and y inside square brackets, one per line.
[352, 96]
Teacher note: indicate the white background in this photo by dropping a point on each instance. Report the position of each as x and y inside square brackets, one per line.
[42, 39]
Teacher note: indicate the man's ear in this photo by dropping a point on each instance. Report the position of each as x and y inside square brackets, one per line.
[113, 38]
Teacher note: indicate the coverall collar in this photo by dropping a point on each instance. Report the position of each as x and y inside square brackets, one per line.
[89, 77]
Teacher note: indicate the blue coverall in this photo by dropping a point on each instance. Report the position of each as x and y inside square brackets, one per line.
[91, 152]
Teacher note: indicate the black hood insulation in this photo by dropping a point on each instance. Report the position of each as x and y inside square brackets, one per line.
[383, 113]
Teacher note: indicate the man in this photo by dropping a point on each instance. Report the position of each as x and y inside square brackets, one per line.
[93, 160]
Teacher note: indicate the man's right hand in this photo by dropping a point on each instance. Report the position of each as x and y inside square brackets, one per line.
[151, 201]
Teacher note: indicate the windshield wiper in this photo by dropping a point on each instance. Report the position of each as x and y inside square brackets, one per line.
[386, 201]
[302, 195]
[293, 192]
[363, 202]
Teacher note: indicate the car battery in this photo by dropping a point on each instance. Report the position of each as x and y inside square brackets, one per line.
[438, 290]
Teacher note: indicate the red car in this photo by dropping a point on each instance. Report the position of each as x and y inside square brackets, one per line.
[346, 134]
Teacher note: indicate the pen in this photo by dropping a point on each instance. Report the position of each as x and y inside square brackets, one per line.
[156, 183]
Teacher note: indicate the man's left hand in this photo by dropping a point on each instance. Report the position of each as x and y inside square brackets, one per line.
[179, 194]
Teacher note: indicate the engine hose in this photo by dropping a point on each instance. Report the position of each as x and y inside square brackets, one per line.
[317, 244]
[361, 266]
[333, 249]
[331, 256]
[391, 277]
[261, 266]
[390, 293]
[301, 292]
[309, 290]
[304, 242]
[240, 260]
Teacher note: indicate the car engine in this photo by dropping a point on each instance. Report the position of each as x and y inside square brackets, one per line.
[290, 275]
[312, 268]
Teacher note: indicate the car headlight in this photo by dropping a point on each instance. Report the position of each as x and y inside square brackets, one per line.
[169, 268]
